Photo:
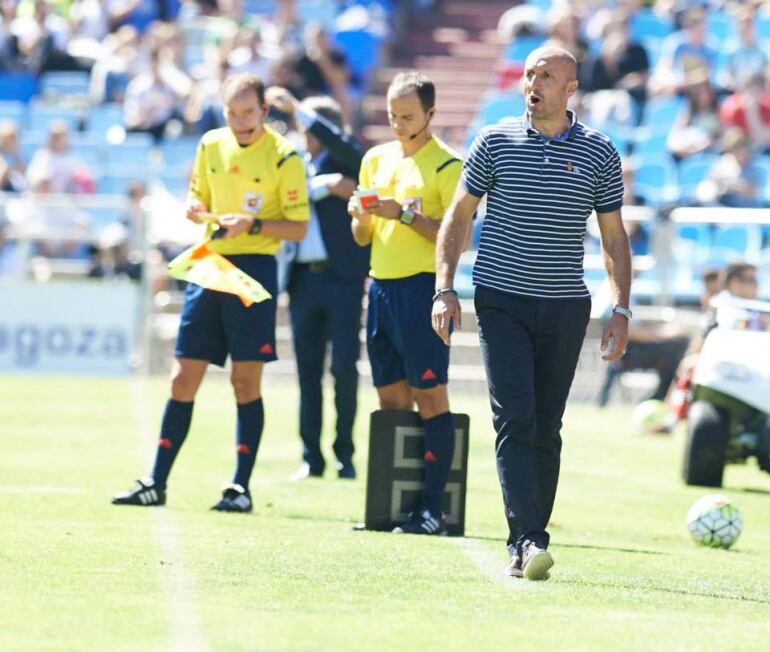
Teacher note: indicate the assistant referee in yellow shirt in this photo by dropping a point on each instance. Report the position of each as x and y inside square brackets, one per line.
[254, 181]
[415, 176]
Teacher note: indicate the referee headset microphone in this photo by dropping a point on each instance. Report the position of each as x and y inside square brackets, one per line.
[424, 127]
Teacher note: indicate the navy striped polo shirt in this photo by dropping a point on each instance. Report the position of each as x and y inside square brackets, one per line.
[540, 193]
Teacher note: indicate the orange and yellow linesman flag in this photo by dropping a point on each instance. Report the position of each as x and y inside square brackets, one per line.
[201, 265]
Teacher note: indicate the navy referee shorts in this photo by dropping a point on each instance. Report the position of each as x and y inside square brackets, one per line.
[217, 324]
[399, 337]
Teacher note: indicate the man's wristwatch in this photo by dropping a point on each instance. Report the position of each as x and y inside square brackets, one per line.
[622, 311]
[256, 227]
[407, 215]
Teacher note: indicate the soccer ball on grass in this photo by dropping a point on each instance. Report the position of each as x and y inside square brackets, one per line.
[714, 521]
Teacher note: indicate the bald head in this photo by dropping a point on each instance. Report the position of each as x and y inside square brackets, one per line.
[554, 56]
[550, 79]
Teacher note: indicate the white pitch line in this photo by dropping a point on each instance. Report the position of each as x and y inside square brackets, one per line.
[489, 563]
[186, 632]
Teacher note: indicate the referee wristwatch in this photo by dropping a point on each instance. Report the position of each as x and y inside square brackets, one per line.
[626, 312]
[407, 215]
[256, 227]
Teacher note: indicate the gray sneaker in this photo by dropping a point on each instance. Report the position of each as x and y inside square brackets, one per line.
[536, 562]
[513, 569]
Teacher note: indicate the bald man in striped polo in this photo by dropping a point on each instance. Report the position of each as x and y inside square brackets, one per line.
[543, 174]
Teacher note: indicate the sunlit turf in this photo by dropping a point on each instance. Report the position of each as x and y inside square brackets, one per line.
[77, 573]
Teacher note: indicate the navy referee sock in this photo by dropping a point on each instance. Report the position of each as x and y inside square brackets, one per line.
[439, 450]
[251, 420]
[173, 432]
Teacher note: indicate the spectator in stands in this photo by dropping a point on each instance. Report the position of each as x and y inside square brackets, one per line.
[749, 109]
[323, 69]
[733, 180]
[118, 64]
[203, 110]
[55, 168]
[683, 52]
[246, 54]
[621, 63]
[564, 32]
[139, 14]
[697, 127]
[90, 19]
[745, 59]
[152, 101]
[11, 163]
[287, 27]
[40, 40]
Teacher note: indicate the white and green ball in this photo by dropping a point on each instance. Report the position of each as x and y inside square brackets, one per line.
[714, 521]
[650, 416]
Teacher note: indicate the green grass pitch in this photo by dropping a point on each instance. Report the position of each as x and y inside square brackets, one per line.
[77, 573]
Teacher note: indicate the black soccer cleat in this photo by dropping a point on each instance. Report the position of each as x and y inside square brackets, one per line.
[144, 494]
[423, 522]
[346, 471]
[234, 499]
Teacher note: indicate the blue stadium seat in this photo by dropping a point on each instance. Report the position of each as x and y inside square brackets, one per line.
[720, 27]
[621, 138]
[20, 86]
[762, 164]
[646, 24]
[177, 183]
[544, 5]
[180, 152]
[41, 116]
[650, 146]
[12, 110]
[133, 152]
[654, 48]
[317, 11]
[693, 170]
[104, 116]
[362, 50]
[518, 49]
[117, 184]
[496, 107]
[89, 150]
[692, 243]
[738, 240]
[661, 113]
[64, 83]
[29, 143]
[260, 6]
[655, 181]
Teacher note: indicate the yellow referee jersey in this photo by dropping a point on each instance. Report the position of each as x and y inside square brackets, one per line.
[265, 179]
[427, 180]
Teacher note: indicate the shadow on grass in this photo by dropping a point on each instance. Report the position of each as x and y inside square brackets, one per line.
[671, 591]
[751, 490]
[578, 545]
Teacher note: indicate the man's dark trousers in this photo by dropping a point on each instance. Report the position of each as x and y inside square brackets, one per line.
[530, 348]
[325, 309]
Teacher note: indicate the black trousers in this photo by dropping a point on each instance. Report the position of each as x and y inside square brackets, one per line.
[325, 310]
[530, 348]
